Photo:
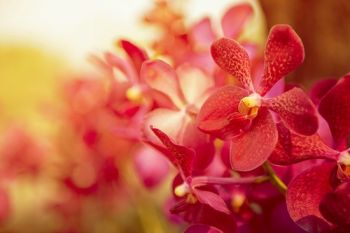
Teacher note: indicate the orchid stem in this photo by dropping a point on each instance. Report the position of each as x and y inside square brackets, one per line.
[231, 180]
[275, 179]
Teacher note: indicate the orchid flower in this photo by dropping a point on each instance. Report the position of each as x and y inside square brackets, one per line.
[127, 93]
[243, 114]
[181, 94]
[317, 199]
[182, 158]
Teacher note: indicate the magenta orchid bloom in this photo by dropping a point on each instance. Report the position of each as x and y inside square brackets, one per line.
[243, 114]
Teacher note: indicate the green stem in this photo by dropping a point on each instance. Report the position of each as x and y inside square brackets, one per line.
[275, 179]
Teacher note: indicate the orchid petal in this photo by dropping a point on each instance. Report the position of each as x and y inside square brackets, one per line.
[171, 122]
[305, 193]
[235, 18]
[335, 206]
[335, 108]
[202, 34]
[136, 54]
[232, 58]
[292, 147]
[195, 84]
[212, 199]
[296, 110]
[182, 157]
[320, 89]
[284, 52]
[219, 114]
[253, 147]
[162, 77]
[126, 68]
[151, 166]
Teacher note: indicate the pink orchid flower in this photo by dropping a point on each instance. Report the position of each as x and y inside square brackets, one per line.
[243, 114]
[183, 92]
[201, 35]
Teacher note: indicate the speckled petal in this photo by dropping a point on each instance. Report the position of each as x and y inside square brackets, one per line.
[253, 147]
[284, 52]
[296, 110]
[219, 114]
[292, 148]
[233, 58]
[304, 196]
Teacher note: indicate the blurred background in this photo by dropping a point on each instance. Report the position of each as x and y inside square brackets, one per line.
[44, 42]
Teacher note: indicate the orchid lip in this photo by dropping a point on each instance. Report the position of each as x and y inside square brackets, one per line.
[134, 94]
[249, 105]
[343, 171]
[344, 158]
[181, 190]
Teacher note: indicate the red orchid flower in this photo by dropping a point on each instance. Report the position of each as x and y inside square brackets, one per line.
[243, 114]
[193, 188]
[180, 94]
[310, 196]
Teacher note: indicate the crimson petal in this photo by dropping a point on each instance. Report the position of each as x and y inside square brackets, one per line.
[296, 110]
[284, 52]
[252, 148]
[219, 114]
[335, 206]
[305, 193]
[292, 147]
[201, 228]
[212, 199]
[233, 58]
[182, 157]
[335, 108]
[235, 18]
[123, 66]
[137, 55]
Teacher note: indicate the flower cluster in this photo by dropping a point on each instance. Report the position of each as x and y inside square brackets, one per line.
[245, 151]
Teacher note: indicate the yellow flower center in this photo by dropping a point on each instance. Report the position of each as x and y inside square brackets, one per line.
[134, 94]
[181, 190]
[344, 164]
[249, 105]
